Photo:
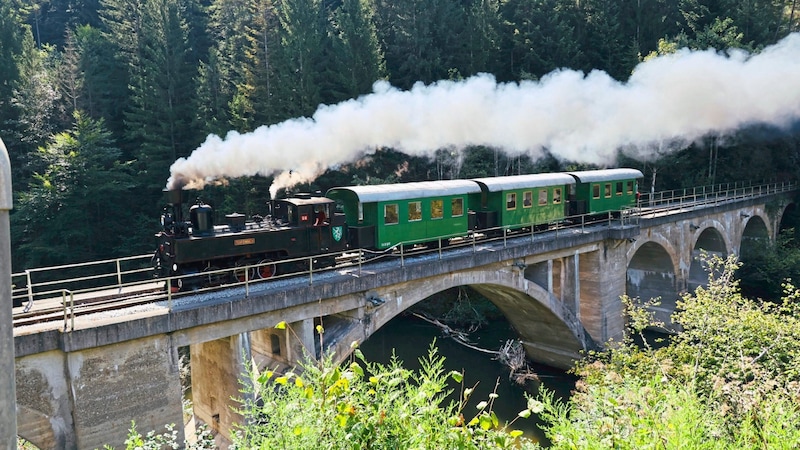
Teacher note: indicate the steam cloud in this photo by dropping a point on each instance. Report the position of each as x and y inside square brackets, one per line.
[667, 103]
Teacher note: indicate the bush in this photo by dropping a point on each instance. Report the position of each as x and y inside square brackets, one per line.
[363, 405]
[728, 381]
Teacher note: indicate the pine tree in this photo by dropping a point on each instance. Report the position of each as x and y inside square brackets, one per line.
[64, 217]
[541, 37]
[303, 39]
[361, 56]
[154, 48]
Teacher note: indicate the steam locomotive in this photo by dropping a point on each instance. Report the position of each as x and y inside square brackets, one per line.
[376, 217]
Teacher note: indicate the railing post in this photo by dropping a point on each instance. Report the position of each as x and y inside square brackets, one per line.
[402, 259]
[69, 317]
[169, 294]
[311, 270]
[30, 287]
[247, 282]
[360, 259]
[440, 249]
[119, 277]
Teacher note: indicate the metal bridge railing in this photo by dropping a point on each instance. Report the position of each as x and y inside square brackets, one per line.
[99, 279]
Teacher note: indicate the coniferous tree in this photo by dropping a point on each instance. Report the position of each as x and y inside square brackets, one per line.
[600, 34]
[405, 28]
[159, 108]
[361, 56]
[37, 101]
[12, 35]
[105, 79]
[541, 38]
[225, 91]
[302, 50]
[64, 217]
[644, 22]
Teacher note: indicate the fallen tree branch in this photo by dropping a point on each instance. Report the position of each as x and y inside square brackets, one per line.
[511, 354]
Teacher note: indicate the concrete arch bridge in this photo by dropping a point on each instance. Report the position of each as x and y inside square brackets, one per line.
[80, 387]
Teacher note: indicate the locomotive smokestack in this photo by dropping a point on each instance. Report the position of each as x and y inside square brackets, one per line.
[175, 196]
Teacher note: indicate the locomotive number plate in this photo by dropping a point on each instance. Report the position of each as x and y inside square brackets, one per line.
[248, 241]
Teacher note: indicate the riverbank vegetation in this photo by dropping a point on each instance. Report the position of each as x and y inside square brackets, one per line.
[729, 380]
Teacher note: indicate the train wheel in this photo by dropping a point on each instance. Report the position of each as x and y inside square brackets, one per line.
[240, 272]
[266, 269]
[215, 278]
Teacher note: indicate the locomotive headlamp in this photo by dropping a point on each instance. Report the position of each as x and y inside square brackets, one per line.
[174, 267]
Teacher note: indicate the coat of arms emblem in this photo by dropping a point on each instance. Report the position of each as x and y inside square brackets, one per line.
[337, 233]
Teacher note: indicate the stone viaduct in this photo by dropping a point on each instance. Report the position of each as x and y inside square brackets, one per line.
[560, 290]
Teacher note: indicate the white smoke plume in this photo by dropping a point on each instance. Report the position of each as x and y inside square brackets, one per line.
[667, 103]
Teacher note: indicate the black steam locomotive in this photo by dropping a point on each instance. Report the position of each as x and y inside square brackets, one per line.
[295, 227]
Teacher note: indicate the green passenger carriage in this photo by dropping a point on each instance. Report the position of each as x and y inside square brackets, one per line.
[522, 200]
[381, 216]
[599, 191]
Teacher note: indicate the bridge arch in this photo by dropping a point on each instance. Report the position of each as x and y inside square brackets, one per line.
[756, 233]
[707, 239]
[549, 331]
[39, 429]
[787, 217]
[653, 273]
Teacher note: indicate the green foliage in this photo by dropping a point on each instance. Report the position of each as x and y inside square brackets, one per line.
[730, 380]
[169, 439]
[364, 405]
[64, 216]
[769, 265]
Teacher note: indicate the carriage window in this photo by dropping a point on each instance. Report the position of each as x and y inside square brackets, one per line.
[457, 207]
[619, 187]
[607, 190]
[360, 212]
[542, 197]
[630, 187]
[527, 199]
[511, 201]
[596, 191]
[437, 209]
[414, 211]
[557, 196]
[390, 215]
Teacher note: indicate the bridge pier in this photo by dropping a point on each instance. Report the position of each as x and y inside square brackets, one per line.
[217, 372]
[87, 398]
[602, 283]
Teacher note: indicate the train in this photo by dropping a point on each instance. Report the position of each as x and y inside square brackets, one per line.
[375, 217]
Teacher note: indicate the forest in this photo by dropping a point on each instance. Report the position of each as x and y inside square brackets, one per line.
[98, 98]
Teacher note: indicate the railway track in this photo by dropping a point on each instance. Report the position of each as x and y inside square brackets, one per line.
[65, 309]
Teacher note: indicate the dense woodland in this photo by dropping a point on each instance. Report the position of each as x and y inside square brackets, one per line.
[99, 97]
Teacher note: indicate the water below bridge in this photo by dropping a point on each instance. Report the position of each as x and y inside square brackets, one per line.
[409, 338]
